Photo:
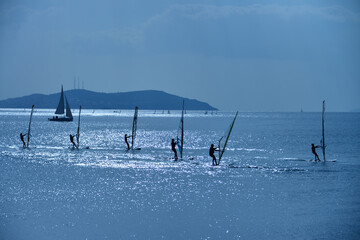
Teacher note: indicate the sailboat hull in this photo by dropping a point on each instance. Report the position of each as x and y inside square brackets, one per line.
[62, 119]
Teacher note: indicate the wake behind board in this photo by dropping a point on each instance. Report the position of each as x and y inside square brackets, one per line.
[327, 160]
[27, 148]
[183, 159]
[74, 148]
[306, 160]
[134, 149]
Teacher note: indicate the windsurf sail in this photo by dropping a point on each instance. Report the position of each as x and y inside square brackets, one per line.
[323, 146]
[180, 134]
[28, 134]
[60, 107]
[68, 110]
[78, 131]
[225, 138]
[134, 127]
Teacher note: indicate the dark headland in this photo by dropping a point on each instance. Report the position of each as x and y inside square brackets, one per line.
[149, 99]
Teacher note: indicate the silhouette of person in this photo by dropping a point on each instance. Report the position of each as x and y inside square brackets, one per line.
[126, 141]
[22, 139]
[72, 140]
[173, 144]
[314, 152]
[211, 154]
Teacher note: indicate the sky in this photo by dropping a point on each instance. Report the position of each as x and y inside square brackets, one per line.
[234, 55]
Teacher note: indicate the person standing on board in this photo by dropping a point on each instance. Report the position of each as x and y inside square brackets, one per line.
[126, 141]
[72, 140]
[211, 154]
[314, 152]
[22, 139]
[173, 145]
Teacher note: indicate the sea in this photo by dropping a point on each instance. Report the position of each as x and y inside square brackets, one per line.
[267, 185]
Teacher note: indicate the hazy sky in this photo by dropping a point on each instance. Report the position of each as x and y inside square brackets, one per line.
[235, 55]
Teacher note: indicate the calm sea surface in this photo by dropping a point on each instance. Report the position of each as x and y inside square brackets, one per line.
[265, 188]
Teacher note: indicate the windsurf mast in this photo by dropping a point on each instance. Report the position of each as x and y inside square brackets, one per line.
[78, 131]
[180, 135]
[323, 130]
[28, 134]
[134, 127]
[225, 138]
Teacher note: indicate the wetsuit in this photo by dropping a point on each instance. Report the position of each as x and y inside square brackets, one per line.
[314, 152]
[173, 145]
[211, 154]
[126, 141]
[22, 139]
[72, 140]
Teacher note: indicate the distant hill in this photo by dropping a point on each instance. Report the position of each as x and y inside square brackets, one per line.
[149, 99]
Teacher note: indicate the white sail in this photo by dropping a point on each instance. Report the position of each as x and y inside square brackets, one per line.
[180, 134]
[60, 107]
[68, 110]
[28, 134]
[224, 139]
[134, 128]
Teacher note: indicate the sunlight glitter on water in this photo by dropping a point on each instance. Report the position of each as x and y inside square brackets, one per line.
[265, 178]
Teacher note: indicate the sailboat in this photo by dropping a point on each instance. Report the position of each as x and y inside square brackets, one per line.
[60, 110]
[180, 134]
[224, 139]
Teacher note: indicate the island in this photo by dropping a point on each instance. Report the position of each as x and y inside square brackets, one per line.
[147, 100]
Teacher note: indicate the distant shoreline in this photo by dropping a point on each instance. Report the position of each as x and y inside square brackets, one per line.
[158, 111]
[146, 100]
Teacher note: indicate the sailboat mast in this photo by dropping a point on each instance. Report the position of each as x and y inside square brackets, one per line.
[323, 130]
[28, 135]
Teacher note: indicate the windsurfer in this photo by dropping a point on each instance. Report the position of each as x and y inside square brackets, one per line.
[211, 154]
[173, 144]
[313, 147]
[72, 140]
[126, 141]
[22, 139]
